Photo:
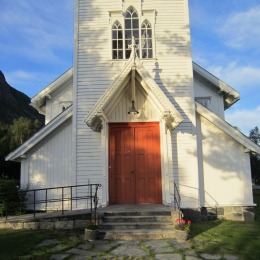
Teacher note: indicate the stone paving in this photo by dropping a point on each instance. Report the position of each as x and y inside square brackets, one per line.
[163, 249]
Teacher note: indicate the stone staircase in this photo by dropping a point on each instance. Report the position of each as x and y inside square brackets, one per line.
[140, 225]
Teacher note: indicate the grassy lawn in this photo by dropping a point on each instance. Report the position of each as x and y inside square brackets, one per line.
[229, 237]
[213, 237]
[15, 243]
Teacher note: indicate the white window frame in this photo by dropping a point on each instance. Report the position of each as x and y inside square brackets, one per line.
[143, 15]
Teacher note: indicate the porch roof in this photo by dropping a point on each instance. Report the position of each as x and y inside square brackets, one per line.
[20, 152]
[227, 128]
[169, 112]
[39, 100]
[231, 96]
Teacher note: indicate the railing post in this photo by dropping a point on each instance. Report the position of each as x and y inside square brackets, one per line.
[91, 198]
[90, 194]
[62, 197]
[20, 202]
[6, 209]
[95, 202]
[174, 194]
[46, 200]
[34, 203]
[70, 197]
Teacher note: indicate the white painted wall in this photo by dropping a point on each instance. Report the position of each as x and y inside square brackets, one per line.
[226, 169]
[171, 68]
[49, 163]
[204, 90]
[147, 111]
[62, 97]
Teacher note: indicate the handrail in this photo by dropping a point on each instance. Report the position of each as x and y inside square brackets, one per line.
[23, 193]
[177, 199]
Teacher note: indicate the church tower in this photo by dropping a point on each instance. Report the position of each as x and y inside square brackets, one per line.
[118, 148]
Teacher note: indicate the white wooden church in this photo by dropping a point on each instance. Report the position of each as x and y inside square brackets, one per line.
[136, 114]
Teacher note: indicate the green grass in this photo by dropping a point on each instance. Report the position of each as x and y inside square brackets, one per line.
[15, 243]
[229, 237]
[213, 237]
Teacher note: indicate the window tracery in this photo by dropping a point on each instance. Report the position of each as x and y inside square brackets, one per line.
[131, 29]
[147, 43]
[117, 41]
[129, 26]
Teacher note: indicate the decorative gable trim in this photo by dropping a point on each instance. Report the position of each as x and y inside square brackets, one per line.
[20, 152]
[227, 128]
[169, 112]
[39, 100]
[231, 96]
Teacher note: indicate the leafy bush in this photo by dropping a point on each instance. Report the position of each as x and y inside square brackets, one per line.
[11, 198]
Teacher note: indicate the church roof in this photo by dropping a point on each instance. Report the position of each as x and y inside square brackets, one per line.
[20, 152]
[227, 128]
[231, 96]
[169, 112]
[39, 100]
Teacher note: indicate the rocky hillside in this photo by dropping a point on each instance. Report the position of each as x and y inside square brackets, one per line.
[15, 104]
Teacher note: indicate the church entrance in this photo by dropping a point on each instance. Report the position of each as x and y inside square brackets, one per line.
[134, 163]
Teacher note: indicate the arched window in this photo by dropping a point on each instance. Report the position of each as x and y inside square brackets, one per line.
[146, 40]
[117, 41]
[131, 29]
[125, 27]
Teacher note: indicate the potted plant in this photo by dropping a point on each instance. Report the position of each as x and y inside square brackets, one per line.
[92, 229]
[182, 224]
[91, 232]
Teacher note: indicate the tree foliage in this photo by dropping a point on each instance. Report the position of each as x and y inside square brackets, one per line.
[254, 135]
[21, 130]
[11, 137]
[11, 199]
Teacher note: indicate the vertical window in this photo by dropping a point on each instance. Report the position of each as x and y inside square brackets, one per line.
[130, 25]
[131, 29]
[146, 40]
[117, 41]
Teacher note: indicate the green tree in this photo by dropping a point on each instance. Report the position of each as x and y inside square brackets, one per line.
[21, 130]
[254, 135]
[12, 136]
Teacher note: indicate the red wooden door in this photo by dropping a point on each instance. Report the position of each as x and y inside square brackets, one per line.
[134, 163]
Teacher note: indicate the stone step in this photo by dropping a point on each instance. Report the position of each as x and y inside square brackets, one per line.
[118, 219]
[137, 225]
[140, 225]
[135, 213]
[142, 234]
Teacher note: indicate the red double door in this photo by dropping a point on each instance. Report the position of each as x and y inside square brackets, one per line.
[134, 163]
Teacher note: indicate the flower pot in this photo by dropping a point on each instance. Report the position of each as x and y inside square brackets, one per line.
[91, 234]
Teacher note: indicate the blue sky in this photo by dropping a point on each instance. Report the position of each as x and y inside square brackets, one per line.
[36, 46]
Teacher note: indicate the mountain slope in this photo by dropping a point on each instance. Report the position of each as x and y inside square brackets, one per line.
[15, 104]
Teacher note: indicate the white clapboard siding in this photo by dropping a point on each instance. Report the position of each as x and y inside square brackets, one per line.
[225, 168]
[62, 97]
[50, 164]
[171, 68]
[216, 102]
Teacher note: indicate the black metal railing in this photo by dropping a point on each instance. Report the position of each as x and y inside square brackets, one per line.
[177, 199]
[44, 199]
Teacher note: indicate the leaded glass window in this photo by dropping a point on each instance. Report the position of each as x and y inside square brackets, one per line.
[146, 40]
[127, 27]
[117, 41]
[131, 29]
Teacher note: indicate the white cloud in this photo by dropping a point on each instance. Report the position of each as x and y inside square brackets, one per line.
[244, 119]
[20, 75]
[36, 29]
[241, 30]
[30, 81]
[238, 76]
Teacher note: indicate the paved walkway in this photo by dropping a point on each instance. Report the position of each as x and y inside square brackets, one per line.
[145, 249]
